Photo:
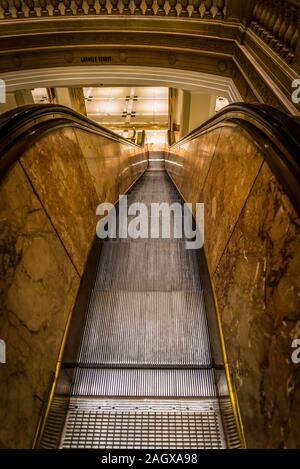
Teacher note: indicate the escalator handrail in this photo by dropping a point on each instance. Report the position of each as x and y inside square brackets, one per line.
[25, 124]
[272, 129]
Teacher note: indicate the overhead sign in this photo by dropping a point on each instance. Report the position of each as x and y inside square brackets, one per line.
[2, 351]
[96, 58]
[2, 92]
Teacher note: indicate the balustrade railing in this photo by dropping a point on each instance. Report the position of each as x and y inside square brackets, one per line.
[206, 9]
[277, 23]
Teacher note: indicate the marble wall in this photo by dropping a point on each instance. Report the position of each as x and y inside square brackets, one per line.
[38, 289]
[48, 203]
[252, 236]
[113, 166]
[63, 183]
[258, 287]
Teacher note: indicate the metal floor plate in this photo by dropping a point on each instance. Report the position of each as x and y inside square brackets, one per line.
[96, 423]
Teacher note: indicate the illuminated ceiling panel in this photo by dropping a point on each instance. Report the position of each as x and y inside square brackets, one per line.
[152, 106]
[149, 91]
[126, 107]
[105, 108]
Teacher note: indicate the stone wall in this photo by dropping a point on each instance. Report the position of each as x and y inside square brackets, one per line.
[48, 202]
[252, 236]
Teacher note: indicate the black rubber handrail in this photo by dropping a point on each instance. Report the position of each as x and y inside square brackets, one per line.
[276, 133]
[24, 125]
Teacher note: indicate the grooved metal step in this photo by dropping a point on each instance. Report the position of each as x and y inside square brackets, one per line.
[156, 161]
[153, 187]
[144, 383]
[152, 195]
[55, 422]
[147, 266]
[146, 328]
[121, 423]
[233, 438]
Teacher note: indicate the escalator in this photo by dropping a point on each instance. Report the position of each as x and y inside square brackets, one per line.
[142, 362]
[145, 375]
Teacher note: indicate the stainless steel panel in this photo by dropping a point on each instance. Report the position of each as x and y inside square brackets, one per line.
[144, 382]
[147, 266]
[146, 328]
[96, 423]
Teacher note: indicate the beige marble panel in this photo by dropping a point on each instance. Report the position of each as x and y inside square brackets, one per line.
[103, 161]
[113, 166]
[48, 221]
[217, 168]
[231, 175]
[258, 290]
[201, 157]
[252, 244]
[192, 163]
[38, 286]
[63, 183]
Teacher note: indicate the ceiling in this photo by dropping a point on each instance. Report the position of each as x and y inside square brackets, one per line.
[127, 107]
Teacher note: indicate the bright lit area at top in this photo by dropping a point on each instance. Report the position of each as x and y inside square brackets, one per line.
[132, 108]
[125, 107]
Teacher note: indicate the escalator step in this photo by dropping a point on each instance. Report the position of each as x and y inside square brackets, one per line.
[146, 328]
[144, 382]
[147, 266]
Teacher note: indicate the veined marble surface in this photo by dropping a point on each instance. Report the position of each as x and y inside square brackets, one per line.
[252, 244]
[189, 165]
[258, 288]
[233, 169]
[60, 176]
[38, 286]
[112, 165]
[48, 220]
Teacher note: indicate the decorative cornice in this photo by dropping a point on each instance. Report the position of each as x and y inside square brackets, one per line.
[272, 63]
[215, 47]
[91, 39]
[87, 24]
[262, 86]
[217, 64]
